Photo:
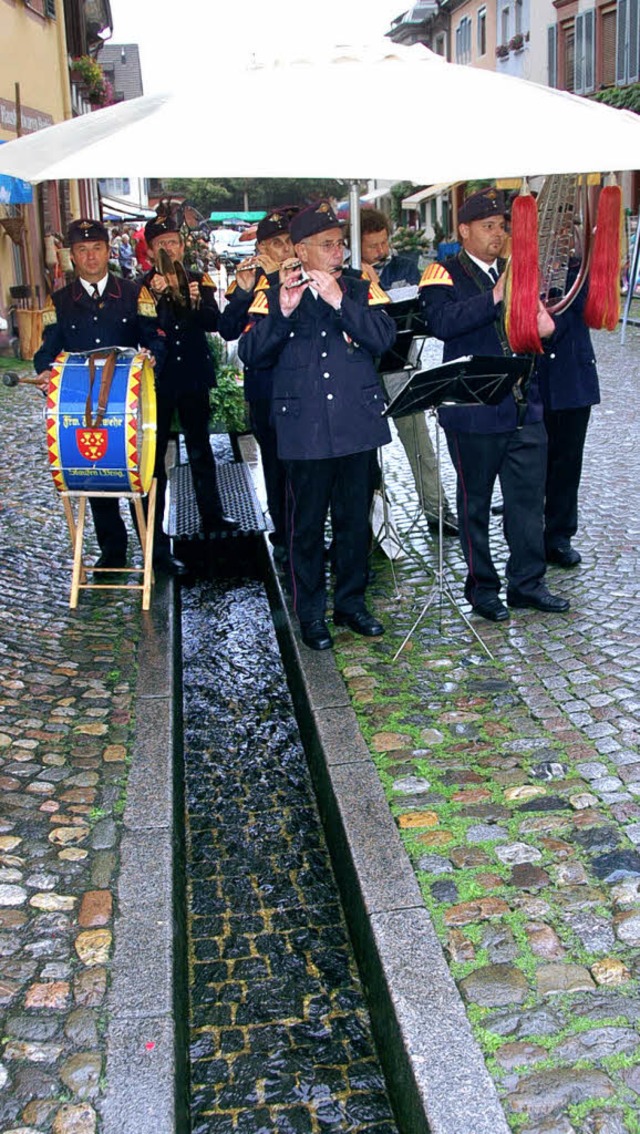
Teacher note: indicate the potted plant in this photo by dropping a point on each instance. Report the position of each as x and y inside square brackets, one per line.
[226, 401]
[89, 74]
[502, 50]
[516, 43]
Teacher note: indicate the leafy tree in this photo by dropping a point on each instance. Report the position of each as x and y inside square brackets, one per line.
[253, 193]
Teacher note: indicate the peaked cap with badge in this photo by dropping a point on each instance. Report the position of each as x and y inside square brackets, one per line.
[485, 203]
[159, 226]
[86, 229]
[315, 218]
[274, 224]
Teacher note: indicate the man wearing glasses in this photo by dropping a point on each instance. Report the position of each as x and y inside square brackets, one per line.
[322, 327]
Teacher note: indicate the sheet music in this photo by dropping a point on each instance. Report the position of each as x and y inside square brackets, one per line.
[397, 294]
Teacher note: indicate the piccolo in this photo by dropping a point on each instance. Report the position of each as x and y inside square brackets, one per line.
[303, 278]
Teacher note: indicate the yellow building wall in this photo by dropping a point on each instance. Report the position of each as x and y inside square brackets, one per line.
[33, 53]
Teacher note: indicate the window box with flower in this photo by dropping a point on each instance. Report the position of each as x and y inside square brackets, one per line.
[502, 51]
[516, 43]
[88, 73]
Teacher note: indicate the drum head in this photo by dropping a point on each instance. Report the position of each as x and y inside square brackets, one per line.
[142, 463]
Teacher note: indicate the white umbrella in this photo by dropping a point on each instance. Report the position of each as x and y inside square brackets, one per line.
[393, 113]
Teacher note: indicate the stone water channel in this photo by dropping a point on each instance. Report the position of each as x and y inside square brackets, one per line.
[280, 1036]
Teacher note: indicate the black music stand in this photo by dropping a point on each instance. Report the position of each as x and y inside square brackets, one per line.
[475, 380]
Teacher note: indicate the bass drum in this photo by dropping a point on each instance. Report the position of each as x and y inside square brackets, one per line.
[101, 428]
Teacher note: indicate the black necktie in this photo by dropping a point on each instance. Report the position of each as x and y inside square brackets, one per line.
[95, 294]
[494, 274]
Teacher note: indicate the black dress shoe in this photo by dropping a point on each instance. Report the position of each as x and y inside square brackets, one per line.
[109, 561]
[361, 622]
[542, 599]
[492, 609]
[316, 634]
[170, 565]
[563, 556]
[449, 526]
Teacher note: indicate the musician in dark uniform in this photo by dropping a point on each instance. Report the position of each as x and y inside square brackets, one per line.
[397, 270]
[95, 312]
[273, 246]
[462, 303]
[322, 332]
[568, 380]
[183, 382]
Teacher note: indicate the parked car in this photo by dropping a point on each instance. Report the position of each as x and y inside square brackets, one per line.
[233, 249]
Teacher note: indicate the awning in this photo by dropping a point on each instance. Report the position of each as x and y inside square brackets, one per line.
[239, 217]
[425, 194]
[117, 208]
[14, 191]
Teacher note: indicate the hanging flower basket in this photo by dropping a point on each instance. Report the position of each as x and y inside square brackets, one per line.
[13, 226]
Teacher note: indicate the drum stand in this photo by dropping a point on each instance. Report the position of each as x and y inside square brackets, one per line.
[440, 588]
[145, 529]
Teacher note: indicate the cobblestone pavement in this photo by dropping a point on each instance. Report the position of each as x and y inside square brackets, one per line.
[516, 786]
[67, 681]
[280, 1035]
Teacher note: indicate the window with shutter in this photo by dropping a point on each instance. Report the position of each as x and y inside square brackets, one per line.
[632, 73]
[578, 81]
[569, 59]
[50, 9]
[589, 50]
[552, 55]
[608, 44]
[621, 43]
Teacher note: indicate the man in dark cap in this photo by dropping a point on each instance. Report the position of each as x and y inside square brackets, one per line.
[462, 303]
[95, 312]
[184, 380]
[273, 246]
[321, 327]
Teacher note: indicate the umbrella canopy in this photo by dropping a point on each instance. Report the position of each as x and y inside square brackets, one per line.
[434, 122]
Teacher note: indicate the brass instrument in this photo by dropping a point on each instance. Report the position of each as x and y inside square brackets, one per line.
[565, 212]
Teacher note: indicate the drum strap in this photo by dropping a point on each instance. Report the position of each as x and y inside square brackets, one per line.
[108, 370]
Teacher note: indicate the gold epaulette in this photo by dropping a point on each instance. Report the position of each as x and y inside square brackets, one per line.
[49, 315]
[262, 284]
[436, 274]
[230, 290]
[146, 304]
[206, 281]
[377, 295]
[259, 304]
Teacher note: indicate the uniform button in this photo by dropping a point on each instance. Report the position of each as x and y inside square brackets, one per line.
[324, 334]
[124, 320]
[284, 409]
[324, 354]
[326, 374]
[97, 340]
[177, 327]
[291, 334]
[178, 359]
[552, 356]
[329, 397]
[95, 318]
[177, 342]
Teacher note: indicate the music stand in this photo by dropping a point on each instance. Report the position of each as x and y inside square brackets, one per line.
[474, 380]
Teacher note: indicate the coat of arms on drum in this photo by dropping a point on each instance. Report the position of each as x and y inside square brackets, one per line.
[92, 443]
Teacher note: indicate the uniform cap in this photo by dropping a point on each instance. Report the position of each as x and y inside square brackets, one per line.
[485, 203]
[158, 226]
[275, 224]
[86, 229]
[313, 219]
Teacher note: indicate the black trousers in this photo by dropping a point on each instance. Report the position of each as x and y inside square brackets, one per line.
[193, 411]
[518, 460]
[110, 527]
[341, 486]
[272, 467]
[567, 432]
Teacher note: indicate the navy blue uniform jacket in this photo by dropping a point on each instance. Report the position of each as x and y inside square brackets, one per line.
[258, 381]
[567, 373]
[76, 323]
[189, 364]
[456, 301]
[327, 399]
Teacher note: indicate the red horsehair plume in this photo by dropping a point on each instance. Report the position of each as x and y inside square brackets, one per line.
[522, 295]
[602, 308]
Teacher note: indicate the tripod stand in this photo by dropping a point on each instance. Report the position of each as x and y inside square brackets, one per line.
[465, 381]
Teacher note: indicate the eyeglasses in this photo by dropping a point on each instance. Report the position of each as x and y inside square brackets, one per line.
[327, 245]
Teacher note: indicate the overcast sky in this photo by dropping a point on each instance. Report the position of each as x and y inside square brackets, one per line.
[199, 34]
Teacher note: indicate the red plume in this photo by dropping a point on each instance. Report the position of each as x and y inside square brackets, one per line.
[602, 308]
[521, 304]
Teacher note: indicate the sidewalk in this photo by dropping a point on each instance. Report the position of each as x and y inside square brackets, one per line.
[514, 787]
